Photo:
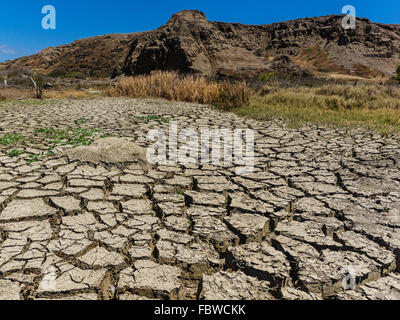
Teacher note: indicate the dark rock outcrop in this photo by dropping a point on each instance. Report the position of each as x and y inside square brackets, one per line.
[191, 43]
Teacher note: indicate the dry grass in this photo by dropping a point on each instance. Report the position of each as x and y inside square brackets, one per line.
[69, 94]
[373, 107]
[12, 93]
[370, 105]
[318, 60]
[16, 93]
[171, 86]
[376, 107]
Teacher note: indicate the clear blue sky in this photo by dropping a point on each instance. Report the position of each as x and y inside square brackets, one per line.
[21, 32]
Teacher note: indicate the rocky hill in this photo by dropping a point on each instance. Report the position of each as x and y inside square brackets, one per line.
[93, 57]
[190, 43]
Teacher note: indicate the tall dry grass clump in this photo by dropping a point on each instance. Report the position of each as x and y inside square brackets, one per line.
[195, 89]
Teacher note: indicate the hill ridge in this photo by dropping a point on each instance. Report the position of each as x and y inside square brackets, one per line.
[190, 43]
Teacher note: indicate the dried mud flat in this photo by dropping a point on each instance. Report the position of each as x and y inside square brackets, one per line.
[321, 200]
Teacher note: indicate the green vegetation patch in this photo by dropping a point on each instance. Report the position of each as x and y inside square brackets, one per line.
[14, 153]
[34, 158]
[80, 121]
[71, 136]
[59, 73]
[180, 191]
[152, 117]
[265, 77]
[36, 102]
[10, 138]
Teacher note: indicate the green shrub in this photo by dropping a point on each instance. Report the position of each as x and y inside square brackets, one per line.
[265, 77]
[21, 82]
[14, 153]
[19, 73]
[57, 73]
[75, 75]
[10, 138]
[60, 73]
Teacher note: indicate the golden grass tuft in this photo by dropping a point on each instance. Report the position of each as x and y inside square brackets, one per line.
[68, 94]
[15, 93]
[10, 93]
[169, 85]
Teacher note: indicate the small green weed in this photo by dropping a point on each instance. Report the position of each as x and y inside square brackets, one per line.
[10, 138]
[154, 117]
[180, 191]
[14, 153]
[34, 158]
[71, 136]
[80, 121]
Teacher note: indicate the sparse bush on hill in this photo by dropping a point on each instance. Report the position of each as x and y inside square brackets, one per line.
[18, 77]
[57, 73]
[75, 75]
[60, 73]
[265, 77]
[21, 82]
[169, 85]
[18, 73]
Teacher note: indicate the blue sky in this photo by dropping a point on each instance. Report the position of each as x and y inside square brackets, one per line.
[21, 32]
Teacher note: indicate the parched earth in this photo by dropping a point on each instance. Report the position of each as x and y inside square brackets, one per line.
[320, 202]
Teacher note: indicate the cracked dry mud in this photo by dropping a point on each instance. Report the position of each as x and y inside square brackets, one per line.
[319, 200]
